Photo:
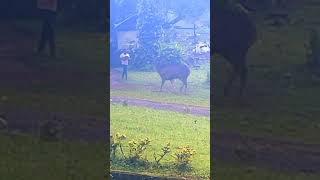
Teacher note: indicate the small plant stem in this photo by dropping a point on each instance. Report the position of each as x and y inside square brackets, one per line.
[122, 152]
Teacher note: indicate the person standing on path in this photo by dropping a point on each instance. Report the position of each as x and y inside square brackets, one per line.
[124, 57]
[48, 9]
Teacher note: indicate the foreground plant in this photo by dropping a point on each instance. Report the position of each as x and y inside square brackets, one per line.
[137, 149]
[117, 141]
[183, 156]
[165, 150]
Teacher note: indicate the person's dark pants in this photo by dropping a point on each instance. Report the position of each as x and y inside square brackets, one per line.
[125, 71]
[48, 33]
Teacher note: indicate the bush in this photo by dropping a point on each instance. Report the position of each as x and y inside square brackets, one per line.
[184, 156]
[115, 142]
[137, 149]
[170, 54]
[142, 59]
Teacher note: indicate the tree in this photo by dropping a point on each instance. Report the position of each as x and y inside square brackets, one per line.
[153, 19]
[149, 26]
[189, 10]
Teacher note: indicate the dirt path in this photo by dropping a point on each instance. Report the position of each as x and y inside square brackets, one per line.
[269, 153]
[182, 108]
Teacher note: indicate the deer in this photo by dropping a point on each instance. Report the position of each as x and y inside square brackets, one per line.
[171, 72]
[233, 34]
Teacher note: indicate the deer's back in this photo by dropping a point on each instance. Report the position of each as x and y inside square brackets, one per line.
[233, 33]
[174, 71]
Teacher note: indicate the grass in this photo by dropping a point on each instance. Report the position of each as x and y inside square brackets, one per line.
[70, 102]
[163, 127]
[23, 158]
[247, 172]
[198, 88]
[78, 49]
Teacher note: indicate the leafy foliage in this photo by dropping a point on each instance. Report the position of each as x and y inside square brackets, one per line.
[117, 141]
[170, 54]
[184, 155]
[190, 10]
[137, 149]
[149, 26]
[165, 150]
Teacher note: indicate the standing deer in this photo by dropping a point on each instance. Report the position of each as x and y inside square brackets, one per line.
[233, 35]
[171, 72]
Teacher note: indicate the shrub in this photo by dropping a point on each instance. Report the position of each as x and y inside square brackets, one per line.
[137, 149]
[115, 142]
[142, 58]
[183, 156]
[170, 54]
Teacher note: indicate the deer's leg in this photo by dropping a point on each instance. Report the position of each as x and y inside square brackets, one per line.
[162, 83]
[230, 81]
[243, 79]
[184, 84]
[242, 69]
[172, 81]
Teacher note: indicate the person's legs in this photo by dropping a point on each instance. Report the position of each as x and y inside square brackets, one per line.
[123, 71]
[51, 33]
[126, 72]
[44, 32]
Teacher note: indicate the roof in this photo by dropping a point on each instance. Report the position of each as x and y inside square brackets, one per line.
[127, 24]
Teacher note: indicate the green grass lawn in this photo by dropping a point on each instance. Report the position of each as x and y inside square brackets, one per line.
[163, 127]
[198, 88]
[24, 158]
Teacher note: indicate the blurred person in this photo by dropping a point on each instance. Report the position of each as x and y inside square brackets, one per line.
[48, 11]
[124, 57]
